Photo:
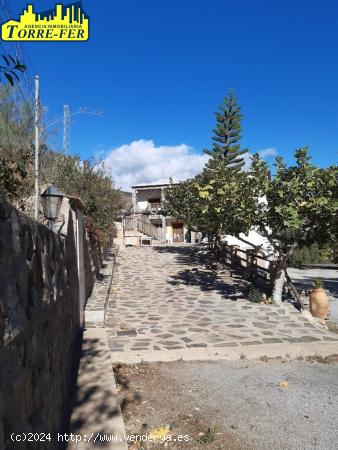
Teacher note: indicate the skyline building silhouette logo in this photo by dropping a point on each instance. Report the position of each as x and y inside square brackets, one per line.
[64, 23]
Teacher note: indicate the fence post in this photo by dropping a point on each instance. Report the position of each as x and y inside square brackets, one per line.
[231, 255]
[249, 261]
[234, 259]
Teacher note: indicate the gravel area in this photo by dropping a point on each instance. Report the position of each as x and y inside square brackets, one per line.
[246, 395]
[241, 402]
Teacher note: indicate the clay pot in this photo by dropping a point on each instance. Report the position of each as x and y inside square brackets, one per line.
[319, 303]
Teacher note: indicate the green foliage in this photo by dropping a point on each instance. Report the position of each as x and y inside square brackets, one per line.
[311, 254]
[227, 133]
[255, 295]
[182, 202]
[10, 70]
[220, 183]
[334, 249]
[293, 206]
[300, 202]
[84, 179]
[16, 130]
[15, 183]
[89, 181]
[16, 152]
[16, 123]
[211, 201]
[296, 206]
[318, 283]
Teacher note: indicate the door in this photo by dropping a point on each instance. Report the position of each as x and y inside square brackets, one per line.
[178, 232]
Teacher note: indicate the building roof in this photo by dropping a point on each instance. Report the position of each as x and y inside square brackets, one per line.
[152, 186]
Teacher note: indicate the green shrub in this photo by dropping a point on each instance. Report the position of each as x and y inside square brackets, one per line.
[318, 283]
[312, 254]
[89, 181]
[255, 295]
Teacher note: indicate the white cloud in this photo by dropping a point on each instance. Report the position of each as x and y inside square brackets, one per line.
[141, 162]
[271, 151]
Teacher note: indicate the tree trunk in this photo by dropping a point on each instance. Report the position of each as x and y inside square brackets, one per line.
[294, 290]
[278, 282]
[218, 251]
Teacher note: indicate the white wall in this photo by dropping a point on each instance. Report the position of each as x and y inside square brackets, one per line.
[254, 237]
[142, 205]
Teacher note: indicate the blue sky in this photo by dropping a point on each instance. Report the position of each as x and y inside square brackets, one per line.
[159, 70]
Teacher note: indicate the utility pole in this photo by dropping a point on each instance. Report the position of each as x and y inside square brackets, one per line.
[37, 162]
[66, 129]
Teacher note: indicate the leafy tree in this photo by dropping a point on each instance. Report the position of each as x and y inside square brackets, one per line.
[85, 179]
[89, 181]
[182, 202]
[16, 148]
[295, 207]
[16, 121]
[15, 180]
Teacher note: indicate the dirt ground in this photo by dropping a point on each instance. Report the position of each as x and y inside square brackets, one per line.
[150, 400]
[231, 406]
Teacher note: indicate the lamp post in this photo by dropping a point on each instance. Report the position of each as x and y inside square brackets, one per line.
[51, 202]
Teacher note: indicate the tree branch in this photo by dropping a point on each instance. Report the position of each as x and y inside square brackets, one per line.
[294, 290]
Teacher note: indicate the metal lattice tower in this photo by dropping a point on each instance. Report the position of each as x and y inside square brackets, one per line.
[66, 129]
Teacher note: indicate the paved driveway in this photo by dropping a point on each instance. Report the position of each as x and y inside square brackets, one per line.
[168, 301]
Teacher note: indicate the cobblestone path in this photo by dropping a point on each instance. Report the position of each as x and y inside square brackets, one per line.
[168, 299]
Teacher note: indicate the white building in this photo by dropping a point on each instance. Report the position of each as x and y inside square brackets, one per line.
[146, 225]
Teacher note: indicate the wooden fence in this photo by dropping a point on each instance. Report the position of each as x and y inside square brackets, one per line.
[130, 223]
[249, 260]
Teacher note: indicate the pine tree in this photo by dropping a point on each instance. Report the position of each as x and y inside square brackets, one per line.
[227, 133]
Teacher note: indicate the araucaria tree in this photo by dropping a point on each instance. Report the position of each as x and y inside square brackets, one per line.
[226, 152]
[200, 201]
[219, 182]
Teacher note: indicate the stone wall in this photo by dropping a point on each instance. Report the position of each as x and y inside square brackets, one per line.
[92, 261]
[92, 252]
[39, 326]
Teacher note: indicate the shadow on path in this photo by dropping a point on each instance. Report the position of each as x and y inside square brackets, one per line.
[95, 406]
[202, 272]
